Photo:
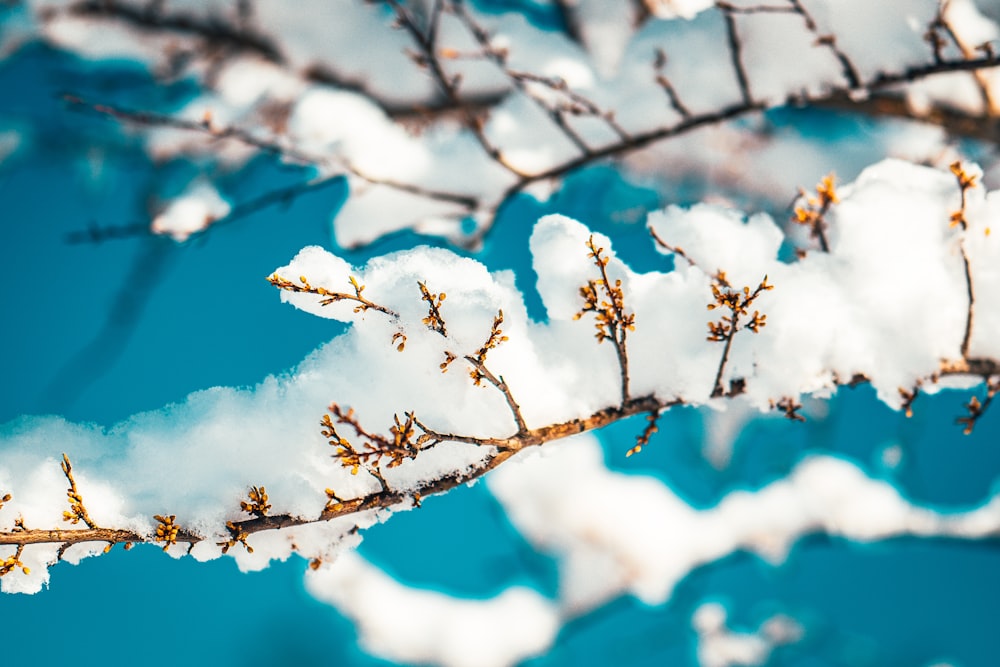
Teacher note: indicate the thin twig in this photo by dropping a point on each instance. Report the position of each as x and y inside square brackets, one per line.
[677, 250]
[829, 41]
[966, 182]
[272, 147]
[660, 64]
[499, 383]
[736, 52]
[449, 85]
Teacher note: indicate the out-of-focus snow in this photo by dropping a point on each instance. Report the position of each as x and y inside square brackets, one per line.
[410, 625]
[614, 533]
[719, 646]
[195, 210]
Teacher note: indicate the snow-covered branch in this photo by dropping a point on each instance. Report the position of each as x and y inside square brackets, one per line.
[528, 383]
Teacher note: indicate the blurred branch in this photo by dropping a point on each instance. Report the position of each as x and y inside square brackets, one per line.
[215, 31]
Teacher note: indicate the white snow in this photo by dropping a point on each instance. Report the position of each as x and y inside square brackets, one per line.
[411, 625]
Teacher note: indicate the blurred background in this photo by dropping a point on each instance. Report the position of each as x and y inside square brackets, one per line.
[101, 325]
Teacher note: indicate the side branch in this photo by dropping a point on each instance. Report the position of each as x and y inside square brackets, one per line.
[966, 182]
[483, 372]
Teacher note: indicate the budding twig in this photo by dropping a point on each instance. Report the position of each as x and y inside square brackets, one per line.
[404, 443]
[256, 503]
[737, 302]
[329, 297]
[977, 408]
[643, 438]
[77, 511]
[607, 302]
[433, 320]
[677, 250]
[812, 213]
[908, 399]
[481, 372]
[789, 407]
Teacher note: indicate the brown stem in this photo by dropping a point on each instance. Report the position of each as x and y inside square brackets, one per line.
[967, 336]
[830, 42]
[717, 389]
[499, 383]
[735, 52]
[968, 51]
[332, 297]
[618, 331]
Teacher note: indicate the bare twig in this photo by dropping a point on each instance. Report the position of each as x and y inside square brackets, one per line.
[789, 408]
[578, 104]
[966, 182]
[570, 21]
[736, 51]
[428, 57]
[990, 105]
[660, 64]
[213, 31]
[829, 41]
